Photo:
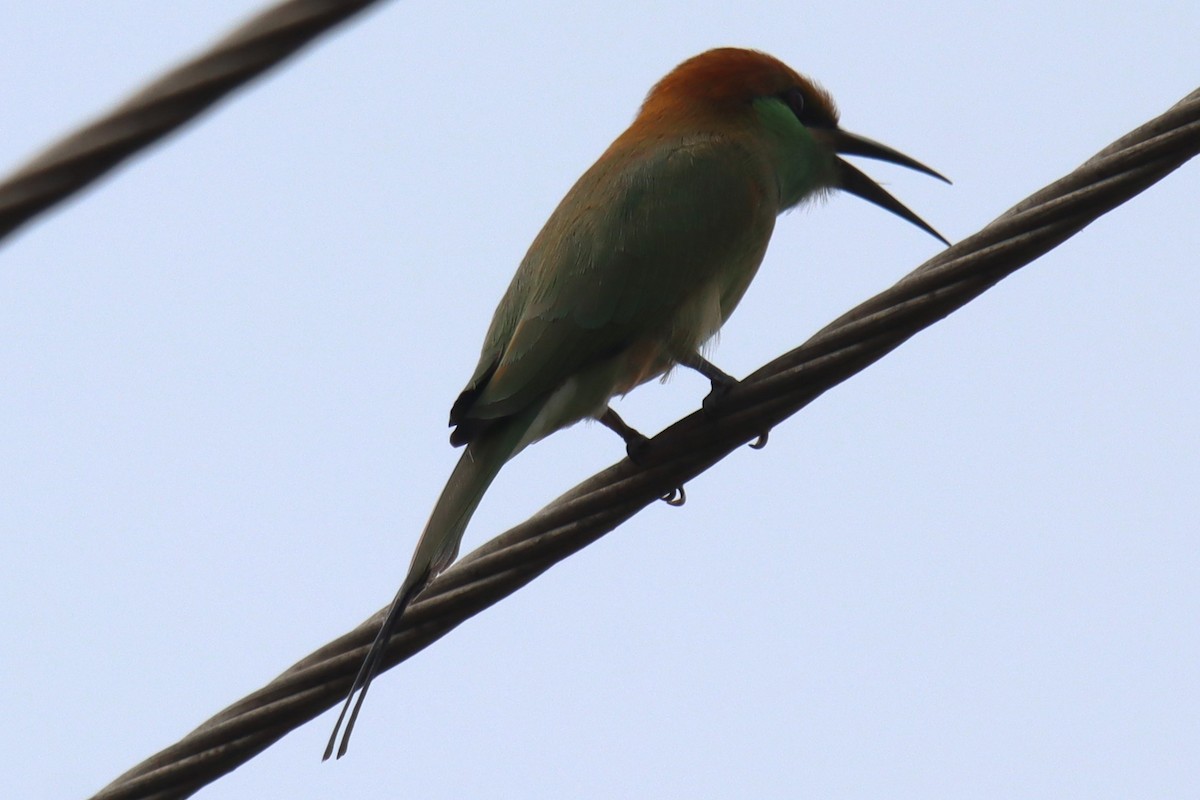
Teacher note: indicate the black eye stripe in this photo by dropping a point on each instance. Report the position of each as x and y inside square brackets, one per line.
[795, 101]
[810, 113]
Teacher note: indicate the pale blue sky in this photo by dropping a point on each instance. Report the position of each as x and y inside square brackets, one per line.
[225, 371]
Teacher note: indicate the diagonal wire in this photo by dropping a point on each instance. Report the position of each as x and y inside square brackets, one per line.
[182, 94]
[776, 391]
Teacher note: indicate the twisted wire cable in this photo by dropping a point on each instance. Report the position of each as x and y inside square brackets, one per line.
[183, 93]
[601, 503]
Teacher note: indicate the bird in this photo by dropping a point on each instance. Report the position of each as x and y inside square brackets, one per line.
[636, 269]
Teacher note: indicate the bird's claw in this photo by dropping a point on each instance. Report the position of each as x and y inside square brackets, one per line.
[761, 441]
[676, 497]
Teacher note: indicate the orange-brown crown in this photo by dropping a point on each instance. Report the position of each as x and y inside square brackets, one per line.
[729, 78]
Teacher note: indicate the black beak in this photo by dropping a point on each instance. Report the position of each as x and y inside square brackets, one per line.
[850, 179]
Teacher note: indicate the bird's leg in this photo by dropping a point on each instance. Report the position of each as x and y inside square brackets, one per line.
[636, 445]
[635, 442]
[722, 383]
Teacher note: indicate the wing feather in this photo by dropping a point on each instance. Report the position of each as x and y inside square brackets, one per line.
[627, 248]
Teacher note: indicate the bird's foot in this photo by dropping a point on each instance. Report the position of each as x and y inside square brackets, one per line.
[722, 385]
[636, 447]
[722, 382]
[636, 443]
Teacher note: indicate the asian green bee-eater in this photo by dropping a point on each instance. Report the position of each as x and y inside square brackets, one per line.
[640, 264]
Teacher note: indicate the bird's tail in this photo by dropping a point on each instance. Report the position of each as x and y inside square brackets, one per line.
[437, 548]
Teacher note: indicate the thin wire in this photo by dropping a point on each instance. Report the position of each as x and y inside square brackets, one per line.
[179, 96]
[601, 503]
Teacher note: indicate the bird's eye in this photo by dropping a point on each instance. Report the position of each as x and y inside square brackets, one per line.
[795, 101]
[811, 112]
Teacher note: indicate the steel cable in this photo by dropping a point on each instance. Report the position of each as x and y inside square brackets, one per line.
[180, 95]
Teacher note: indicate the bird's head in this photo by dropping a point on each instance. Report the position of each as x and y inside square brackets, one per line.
[794, 118]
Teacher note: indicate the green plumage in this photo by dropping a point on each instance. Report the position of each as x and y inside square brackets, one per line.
[641, 235]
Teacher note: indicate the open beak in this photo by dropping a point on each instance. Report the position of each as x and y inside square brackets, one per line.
[850, 179]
